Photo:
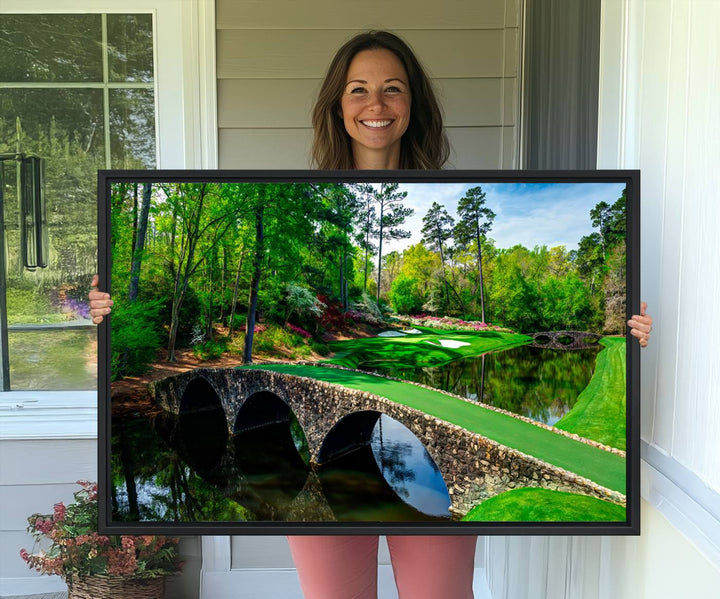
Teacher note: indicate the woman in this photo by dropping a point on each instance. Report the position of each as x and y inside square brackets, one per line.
[377, 110]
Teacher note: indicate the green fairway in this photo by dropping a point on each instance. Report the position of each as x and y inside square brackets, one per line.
[422, 350]
[600, 466]
[544, 505]
[600, 412]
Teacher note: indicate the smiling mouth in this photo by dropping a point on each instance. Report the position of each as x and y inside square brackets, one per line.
[377, 124]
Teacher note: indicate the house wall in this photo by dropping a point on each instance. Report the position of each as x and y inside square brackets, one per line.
[659, 85]
[271, 57]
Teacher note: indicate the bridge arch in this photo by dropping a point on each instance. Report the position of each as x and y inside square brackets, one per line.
[261, 409]
[350, 432]
[397, 465]
[565, 340]
[199, 395]
[201, 435]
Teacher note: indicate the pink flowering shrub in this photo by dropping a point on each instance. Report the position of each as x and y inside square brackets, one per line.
[450, 323]
[77, 550]
[299, 331]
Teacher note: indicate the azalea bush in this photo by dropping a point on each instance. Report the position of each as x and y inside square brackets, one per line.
[299, 331]
[77, 550]
[449, 323]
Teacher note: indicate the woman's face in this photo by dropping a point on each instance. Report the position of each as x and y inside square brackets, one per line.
[375, 108]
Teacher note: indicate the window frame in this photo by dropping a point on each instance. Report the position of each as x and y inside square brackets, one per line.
[186, 137]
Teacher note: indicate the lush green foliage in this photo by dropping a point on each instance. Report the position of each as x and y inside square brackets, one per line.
[405, 295]
[211, 349]
[543, 505]
[135, 336]
[302, 254]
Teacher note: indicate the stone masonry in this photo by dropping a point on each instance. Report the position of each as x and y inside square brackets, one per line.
[474, 467]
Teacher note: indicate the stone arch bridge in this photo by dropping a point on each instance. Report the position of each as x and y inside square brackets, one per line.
[565, 339]
[336, 419]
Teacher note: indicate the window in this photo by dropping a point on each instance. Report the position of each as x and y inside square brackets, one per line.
[78, 91]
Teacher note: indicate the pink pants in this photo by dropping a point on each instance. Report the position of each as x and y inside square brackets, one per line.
[432, 567]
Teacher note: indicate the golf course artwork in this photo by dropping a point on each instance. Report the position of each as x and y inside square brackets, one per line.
[351, 352]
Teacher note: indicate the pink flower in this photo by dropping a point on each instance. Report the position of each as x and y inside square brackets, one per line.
[299, 331]
[121, 562]
[59, 512]
[24, 555]
[128, 542]
[43, 526]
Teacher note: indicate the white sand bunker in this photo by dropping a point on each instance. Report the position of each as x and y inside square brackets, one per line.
[451, 343]
[413, 332]
[391, 334]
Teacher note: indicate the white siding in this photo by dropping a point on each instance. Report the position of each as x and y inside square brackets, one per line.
[670, 128]
[271, 58]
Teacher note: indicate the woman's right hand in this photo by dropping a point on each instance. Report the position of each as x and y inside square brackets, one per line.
[100, 302]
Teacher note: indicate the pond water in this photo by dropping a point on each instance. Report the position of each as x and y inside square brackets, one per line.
[190, 469]
[540, 383]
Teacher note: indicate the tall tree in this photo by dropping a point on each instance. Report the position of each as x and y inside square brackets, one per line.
[256, 273]
[139, 244]
[392, 216]
[437, 229]
[204, 215]
[338, 207]
[367, 225]
[610, 222]
[475, 221]
[285, 217]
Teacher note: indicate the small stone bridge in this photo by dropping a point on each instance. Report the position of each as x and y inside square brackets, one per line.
[565, 339]
[337, 419]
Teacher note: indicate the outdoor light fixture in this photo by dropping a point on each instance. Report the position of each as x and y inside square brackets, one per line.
[33, 235]
[33, 212]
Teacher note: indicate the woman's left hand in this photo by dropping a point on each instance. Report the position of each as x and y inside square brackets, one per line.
[641, 325]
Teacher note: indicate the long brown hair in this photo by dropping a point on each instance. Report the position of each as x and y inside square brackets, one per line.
[424, 144]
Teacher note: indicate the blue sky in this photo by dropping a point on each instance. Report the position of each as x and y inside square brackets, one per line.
[530, 214]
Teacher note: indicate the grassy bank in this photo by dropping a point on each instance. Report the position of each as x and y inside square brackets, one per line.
[544, 505]
[421, 350]
[600, 411]
[600, 466]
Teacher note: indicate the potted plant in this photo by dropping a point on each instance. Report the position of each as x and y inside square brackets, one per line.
[94, 565]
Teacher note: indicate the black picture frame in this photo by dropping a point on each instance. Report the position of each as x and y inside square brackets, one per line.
[628, 526]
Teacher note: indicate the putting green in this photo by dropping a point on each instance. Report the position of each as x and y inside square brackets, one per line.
[605, 468]
[413, 351]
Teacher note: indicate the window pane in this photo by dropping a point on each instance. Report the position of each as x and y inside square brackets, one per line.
[50, 48]
[52, 345]
[65, 127]
[52, 119]
[130, 44]
[55, 359]
[132, 128]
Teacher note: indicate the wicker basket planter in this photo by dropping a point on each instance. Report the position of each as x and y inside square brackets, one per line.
[116, 587]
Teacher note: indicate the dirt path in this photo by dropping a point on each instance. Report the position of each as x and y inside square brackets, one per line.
[131, 393]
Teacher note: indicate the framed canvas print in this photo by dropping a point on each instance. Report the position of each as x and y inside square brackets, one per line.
[369, 352]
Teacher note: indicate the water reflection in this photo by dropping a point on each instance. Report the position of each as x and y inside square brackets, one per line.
[542, 384]
[188, 469]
